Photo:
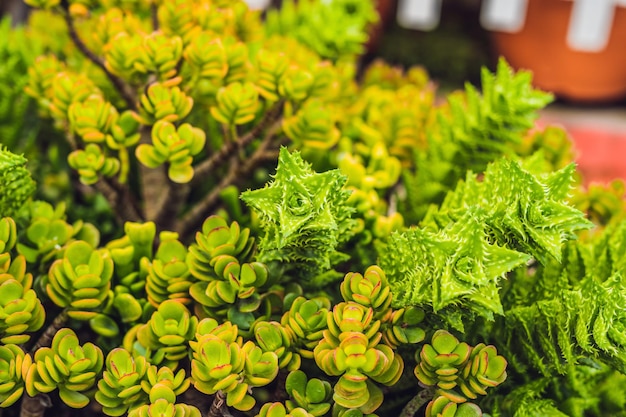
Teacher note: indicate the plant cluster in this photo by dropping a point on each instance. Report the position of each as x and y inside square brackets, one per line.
[281, 239]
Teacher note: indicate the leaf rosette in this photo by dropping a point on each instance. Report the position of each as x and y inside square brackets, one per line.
[176, 146]
[14, 365]
[81, 280]
[65, 365]
[120, 387]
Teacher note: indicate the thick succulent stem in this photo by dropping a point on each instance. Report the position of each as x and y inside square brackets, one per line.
[203, 208]
[46, 337]
[417, 402]
[35, 406]
[218, 406]
[120, 85]
[153, 182]
[175, 197]
[270, 121]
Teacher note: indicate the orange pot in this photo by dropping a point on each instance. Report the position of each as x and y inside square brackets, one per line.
[541, 46]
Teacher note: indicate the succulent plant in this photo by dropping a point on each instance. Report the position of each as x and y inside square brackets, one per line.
[313, 395]
[231, 367]
[65, 365]
[160, 54]
[177, 146]
[48, 234]
[448, 364]
[168, 274]
[92, 118]
[443, 407]
[351, 349]
[81, 280]
[163, 408]
[91, 163]
[218, 238]
[271, 336]
[484, 369]
[279, 410]
[120, 387]
[164, 102]
[21, 310]
[166, 335]
[307, 320]
[441, 361]
[237, 104]
[14, 365]
[8, 234]
[19, 184]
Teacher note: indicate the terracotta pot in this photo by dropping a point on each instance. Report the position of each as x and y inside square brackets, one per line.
[541, 46]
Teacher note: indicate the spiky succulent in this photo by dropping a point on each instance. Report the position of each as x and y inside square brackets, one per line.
[298, 207]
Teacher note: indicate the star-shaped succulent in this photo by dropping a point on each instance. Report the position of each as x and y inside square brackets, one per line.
[453, 264]
[305, 215]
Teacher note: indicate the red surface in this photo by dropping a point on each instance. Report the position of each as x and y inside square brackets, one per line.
[601, 152]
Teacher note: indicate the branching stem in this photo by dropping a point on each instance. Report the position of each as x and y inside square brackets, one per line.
[417, 402]
[46, 337]
[236, 171]
[120, 85]
[271, 121]
[34, 406]
[218, 406]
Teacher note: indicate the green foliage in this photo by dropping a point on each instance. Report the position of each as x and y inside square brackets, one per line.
[333, 29]
[223, 362]
[18, 184]
[66, 366]
[120, 386]
[81, 280]
[207, 302]
[483, 229]
[13, 363]
[472, 131]
[448, 364]
[305, 215]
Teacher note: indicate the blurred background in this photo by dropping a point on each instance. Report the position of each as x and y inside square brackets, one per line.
[575, 49]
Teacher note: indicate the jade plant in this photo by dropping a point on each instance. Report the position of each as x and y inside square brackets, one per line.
[260, 226]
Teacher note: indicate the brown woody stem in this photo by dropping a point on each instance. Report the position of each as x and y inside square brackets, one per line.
[34, 406]
[153, 182]
[46, 337]
[120, 85]
[174, 199]
[417, 402]
[218, 406]
[236, 171]
[271, 120]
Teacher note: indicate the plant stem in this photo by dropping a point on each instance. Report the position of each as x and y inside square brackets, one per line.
[218, 408]
[153, 182]
[202, 209]
[34, 406]
[120, 85]
[46, 337]
[417, 402]
[175, 197]
[271, 121]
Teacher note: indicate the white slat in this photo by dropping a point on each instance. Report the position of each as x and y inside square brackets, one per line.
[419, 14]
[590, 24]
[503, 15]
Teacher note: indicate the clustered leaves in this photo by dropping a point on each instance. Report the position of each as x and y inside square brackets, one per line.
[378, 228]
